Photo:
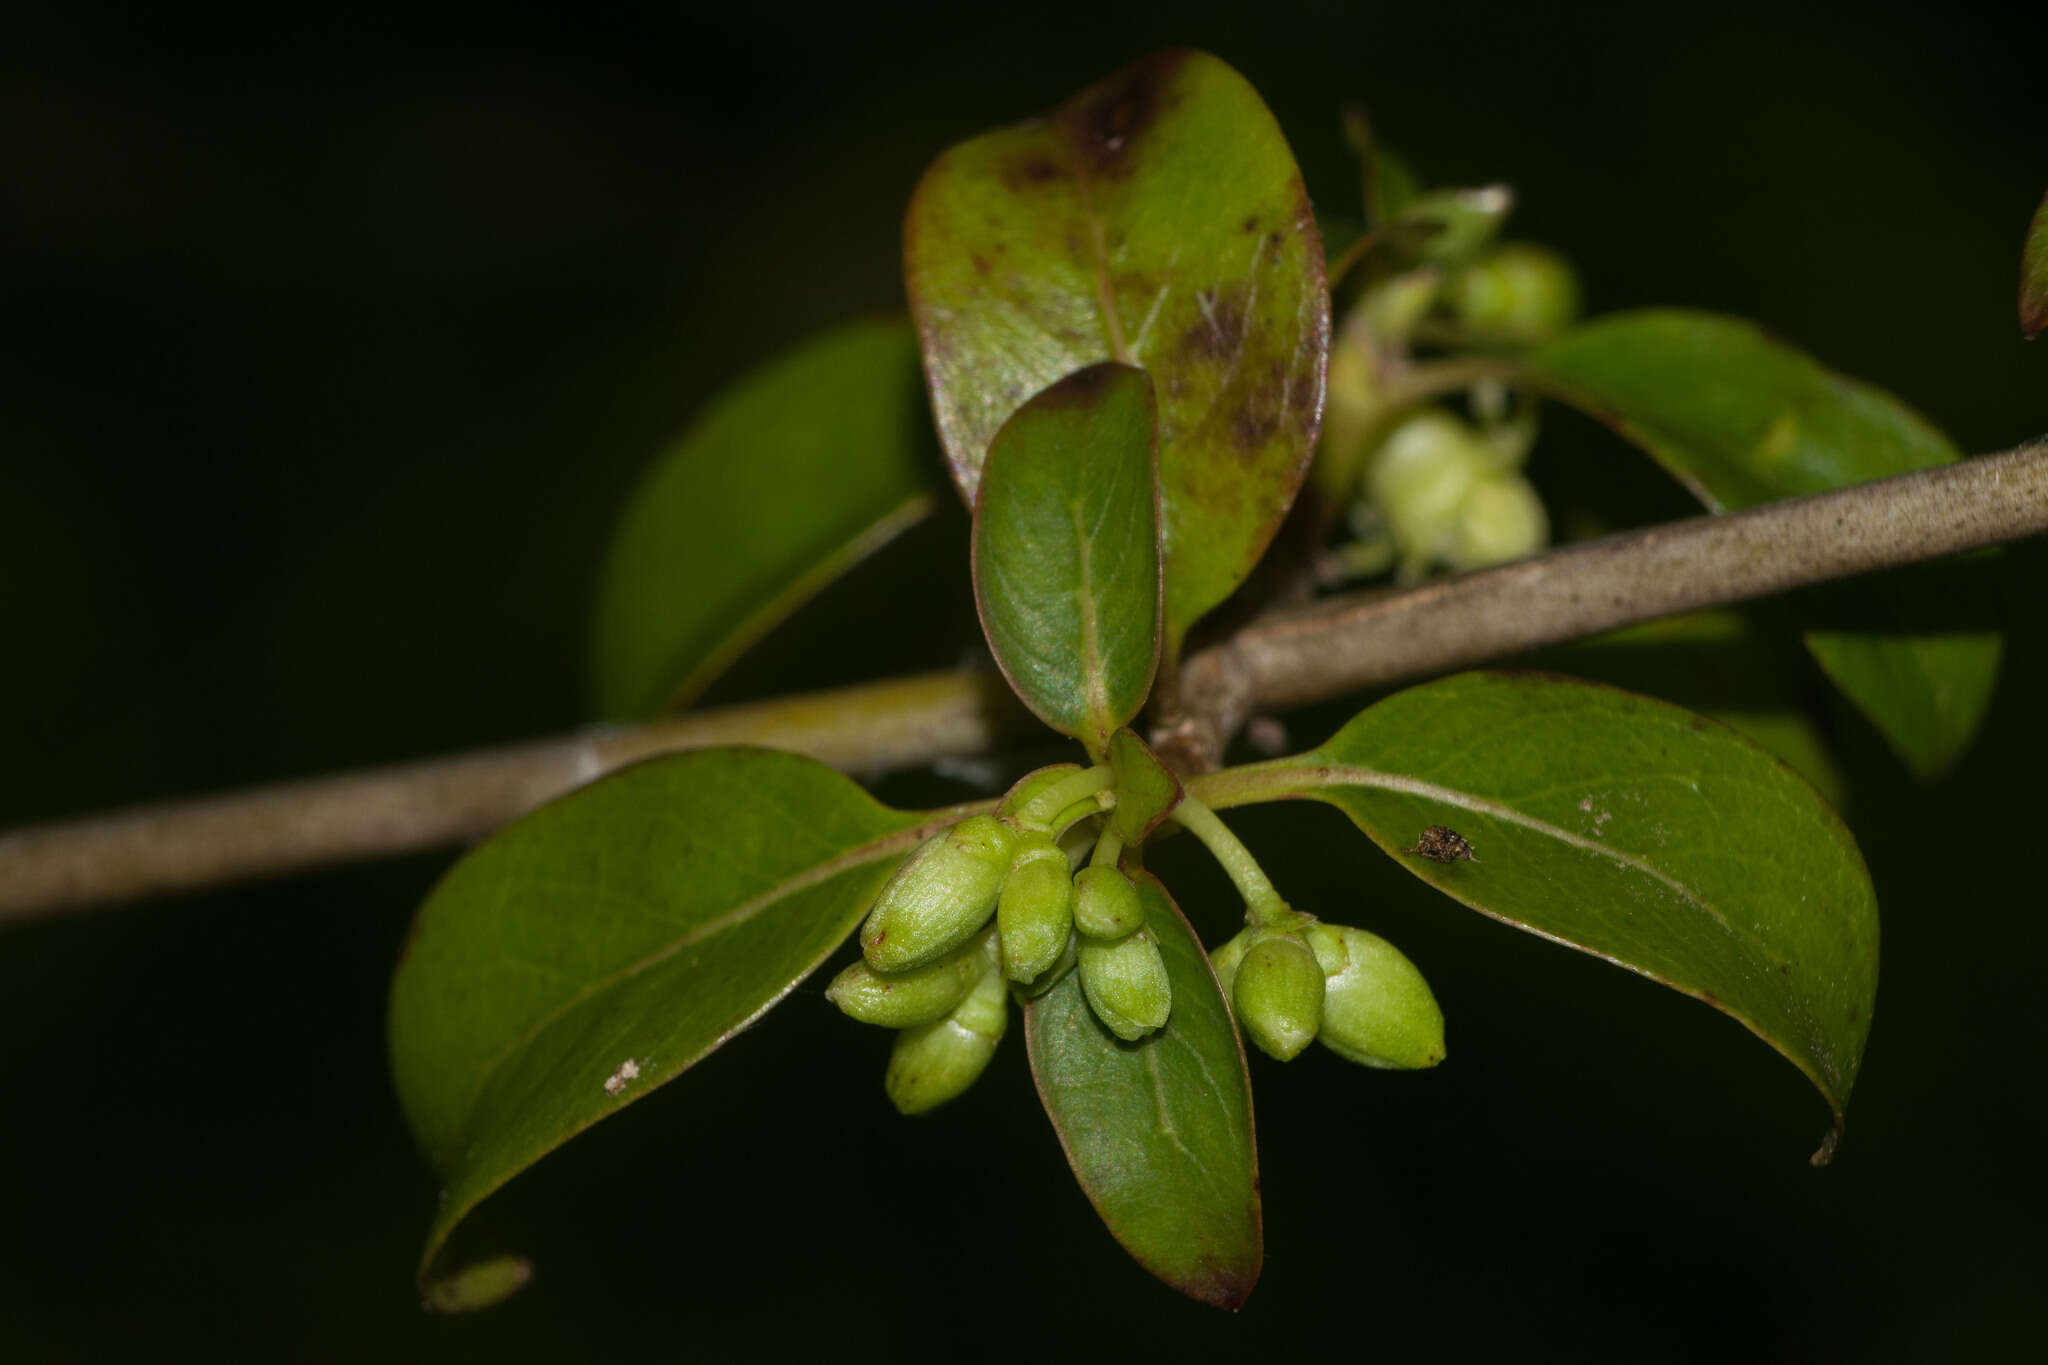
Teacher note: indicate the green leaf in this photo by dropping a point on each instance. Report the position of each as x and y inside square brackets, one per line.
[1146, 789]
[1631, 829]
[2034, 274]
[1740, 419]
[1715, 663]
[795, 474]
[1066, 552]
[1159, 1132]
[1156, 219]
[605, 943]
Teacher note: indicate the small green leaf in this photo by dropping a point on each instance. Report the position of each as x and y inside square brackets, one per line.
[603, 944]
[1388, 184]
[1156, 219]
[2034, 274]
[1066, 552]
[1627, 828]
[1159, 1132]
[794, 475]
[1146, 789]
[1740, 419]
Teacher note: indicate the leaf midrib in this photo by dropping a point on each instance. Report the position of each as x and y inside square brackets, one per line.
[1343, 775]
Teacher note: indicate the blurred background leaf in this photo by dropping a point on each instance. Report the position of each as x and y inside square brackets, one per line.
[2034, 274]
[335, 349]
[1741, 418]
[790, 479]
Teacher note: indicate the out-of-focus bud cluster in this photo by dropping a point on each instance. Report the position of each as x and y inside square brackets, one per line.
[933, 965]
[1516, 293]
[1446, 494]
[1295, 979]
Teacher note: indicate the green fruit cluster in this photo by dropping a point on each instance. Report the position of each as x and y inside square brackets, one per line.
[934, 966]
[1294, 980]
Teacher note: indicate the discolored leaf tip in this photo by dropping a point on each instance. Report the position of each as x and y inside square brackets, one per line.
[482, 1285]
[1108, 119]
[1825, 1153]
[1228, 1292]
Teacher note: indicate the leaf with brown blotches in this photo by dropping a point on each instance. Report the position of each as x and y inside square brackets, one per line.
[1157, 219]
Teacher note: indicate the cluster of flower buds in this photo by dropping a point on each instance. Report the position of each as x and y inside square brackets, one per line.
[1515, 293]
[1292, 979]
[1449, 494]
[934, 966]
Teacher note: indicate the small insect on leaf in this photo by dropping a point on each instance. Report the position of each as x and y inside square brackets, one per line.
[1441, 844]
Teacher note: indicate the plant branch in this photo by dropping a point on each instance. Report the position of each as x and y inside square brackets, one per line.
[1341, 645]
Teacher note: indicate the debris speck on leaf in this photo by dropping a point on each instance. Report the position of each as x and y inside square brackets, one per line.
[629, 1071]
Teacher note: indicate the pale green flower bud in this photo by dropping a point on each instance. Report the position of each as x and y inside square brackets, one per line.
[1028, 788]
[1035, 914]
[1126, 984]
[907, 999]
[1500, 520]
[941, 895]
[1278, 995]
[1326, 941]
[1518, 292]
[1377, 1009]
[1419, 478]
[1105, 903]
[1465, 220]
[935, 1062]
[1228, 957]
[1052, 975]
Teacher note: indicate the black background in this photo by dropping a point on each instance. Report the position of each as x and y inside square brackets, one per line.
[332, 345]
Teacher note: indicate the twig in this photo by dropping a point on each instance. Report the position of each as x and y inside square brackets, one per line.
[1341, 645]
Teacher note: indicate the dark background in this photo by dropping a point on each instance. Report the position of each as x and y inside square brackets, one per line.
[331, 348]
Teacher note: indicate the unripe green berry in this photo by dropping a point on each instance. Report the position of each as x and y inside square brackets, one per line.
[1500, 520]
[1518, 292]
[1377, 1009]
[1126, 984]
[943, 893]
[1278, 995]
[1035, 914]
[935, 1062]
[1105, 903]
[907, 999]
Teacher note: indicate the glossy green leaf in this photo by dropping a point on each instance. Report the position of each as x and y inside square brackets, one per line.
[1146, 789]
[2034, 274]
[794, 475]
[1625, 827]
[1715, 663]
[1157, 219]
[1066, 552]
[603, 944]
[1159, 1132]
[1741, 419]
